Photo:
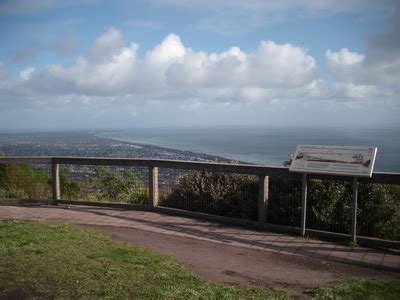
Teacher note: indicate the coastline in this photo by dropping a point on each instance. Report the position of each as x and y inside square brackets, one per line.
[115, 144]
[139, 145]
[87, 144]
[213, 157]
[262, 146]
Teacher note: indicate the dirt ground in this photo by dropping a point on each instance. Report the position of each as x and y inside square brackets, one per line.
[239, 266]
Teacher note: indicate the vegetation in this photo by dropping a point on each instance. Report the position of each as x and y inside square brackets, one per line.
[224, 194]
[22, 182]
[66, 261]
[329, 202]
[108, 185]
[69, 188]
[360, 289]
[232, 195]
[27, 182]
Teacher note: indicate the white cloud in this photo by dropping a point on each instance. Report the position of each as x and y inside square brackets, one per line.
[112, 69]
[281, 65]
[170, 50]
[26, 73]
[345, 91]
[344, 57]
[380, 66]
[106, 45]
[351, 67]
[113, 74]
[344, 64]
[269, 66]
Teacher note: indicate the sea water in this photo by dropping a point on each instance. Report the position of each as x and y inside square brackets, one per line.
[265, 146]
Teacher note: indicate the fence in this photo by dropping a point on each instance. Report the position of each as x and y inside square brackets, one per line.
[268, 197]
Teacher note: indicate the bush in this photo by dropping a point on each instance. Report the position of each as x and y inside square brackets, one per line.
[329, 205]
[108, 185]
[30, 182]
[26, 182]
[329, 202]
[13, 194]
[230, 195]
[284, 205]
[379, 210]
[69, 189]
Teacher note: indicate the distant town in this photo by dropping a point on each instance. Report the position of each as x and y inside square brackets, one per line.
[88, 145]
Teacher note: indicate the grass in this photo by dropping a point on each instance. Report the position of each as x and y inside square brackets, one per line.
[360, 289]
[60, 260]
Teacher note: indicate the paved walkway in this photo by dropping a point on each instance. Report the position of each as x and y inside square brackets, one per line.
[210, 231]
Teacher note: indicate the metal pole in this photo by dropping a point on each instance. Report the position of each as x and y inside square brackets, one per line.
[354, 211]
[263, 199]
[55, 182]
[304, 205]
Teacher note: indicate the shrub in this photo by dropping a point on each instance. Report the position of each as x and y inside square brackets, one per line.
[230, 195]
[13, 194]
[108, 185]
[379, 210]
[69, 189]
[284, 205]
[329, 202]
[34, 183]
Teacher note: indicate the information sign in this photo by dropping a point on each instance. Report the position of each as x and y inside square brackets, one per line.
[335, 160]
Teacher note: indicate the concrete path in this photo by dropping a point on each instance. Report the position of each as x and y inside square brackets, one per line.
[211, 232]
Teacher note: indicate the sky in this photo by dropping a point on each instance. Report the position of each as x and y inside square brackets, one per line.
[101, 64]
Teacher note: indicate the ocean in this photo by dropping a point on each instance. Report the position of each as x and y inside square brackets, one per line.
[265, 146]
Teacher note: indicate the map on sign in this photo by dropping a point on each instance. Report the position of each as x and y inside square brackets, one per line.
[336, 160]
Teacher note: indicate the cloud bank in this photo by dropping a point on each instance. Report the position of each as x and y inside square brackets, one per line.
[113, 71]
[173, 84]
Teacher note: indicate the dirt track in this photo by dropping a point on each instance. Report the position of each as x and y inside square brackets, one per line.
[239, 266]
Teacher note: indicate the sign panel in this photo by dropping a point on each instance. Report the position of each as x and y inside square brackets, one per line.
[335, 160]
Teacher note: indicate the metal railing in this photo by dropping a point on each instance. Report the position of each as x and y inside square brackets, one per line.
[272, 182]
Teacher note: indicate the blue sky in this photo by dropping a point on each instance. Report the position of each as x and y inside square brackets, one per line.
[120, 64]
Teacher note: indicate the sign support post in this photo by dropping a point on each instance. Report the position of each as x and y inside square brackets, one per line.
[304, 205]
[351, 161]
[354, 211]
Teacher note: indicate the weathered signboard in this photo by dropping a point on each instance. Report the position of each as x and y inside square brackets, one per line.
[335, 160]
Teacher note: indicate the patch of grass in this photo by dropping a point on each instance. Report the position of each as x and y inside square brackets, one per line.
[60, 260]
[360, 289]
[353, 244]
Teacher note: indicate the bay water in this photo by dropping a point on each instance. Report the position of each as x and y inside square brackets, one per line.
[265, 145]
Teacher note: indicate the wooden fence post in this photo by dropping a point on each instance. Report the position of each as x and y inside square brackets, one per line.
[55, 182]
[263, 199]
[153, 186]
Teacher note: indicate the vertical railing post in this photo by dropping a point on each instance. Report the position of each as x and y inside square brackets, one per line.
[354, 211]
[55, 182]
[153, 186]
[263, 187]
[304, 205]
